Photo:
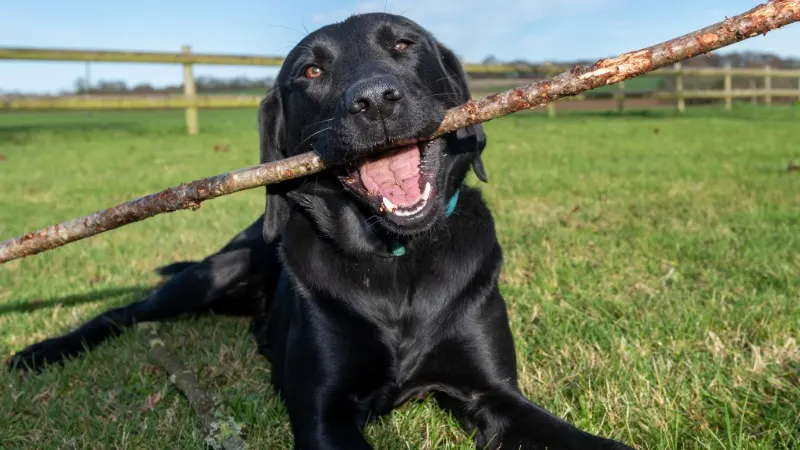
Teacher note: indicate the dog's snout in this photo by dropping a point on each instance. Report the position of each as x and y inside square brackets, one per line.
[374, 98]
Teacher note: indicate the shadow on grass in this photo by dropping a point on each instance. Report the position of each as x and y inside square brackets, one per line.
[19, 127]
[20, 134]
[70, 300]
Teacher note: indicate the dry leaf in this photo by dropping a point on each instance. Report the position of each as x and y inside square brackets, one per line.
[152, 401]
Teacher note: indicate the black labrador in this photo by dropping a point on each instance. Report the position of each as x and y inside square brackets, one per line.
[374, 283]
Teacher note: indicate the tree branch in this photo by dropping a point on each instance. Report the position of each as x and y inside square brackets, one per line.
[222, 433]
[759, 20]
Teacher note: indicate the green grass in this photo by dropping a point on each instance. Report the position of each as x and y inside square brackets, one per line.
[651, 273]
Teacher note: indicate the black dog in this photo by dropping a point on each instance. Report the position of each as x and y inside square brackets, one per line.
[374, 283]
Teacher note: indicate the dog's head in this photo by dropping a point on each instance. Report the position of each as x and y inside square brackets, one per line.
[348, 91]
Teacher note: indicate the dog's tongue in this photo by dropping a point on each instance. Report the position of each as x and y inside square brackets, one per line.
[395, 176]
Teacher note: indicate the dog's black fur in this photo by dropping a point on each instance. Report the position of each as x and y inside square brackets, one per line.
[351, 330]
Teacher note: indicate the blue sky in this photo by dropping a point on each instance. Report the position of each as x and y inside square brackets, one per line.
[530, 29]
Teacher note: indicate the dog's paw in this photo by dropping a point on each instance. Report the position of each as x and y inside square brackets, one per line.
[49, 352]
[519, 439]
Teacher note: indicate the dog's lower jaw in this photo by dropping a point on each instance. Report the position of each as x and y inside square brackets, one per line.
[391, 208]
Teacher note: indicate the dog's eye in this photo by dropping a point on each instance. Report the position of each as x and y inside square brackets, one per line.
[313, 72]
[401, 45]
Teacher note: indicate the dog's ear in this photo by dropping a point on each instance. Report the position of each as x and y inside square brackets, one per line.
[272, 140]
[473, 138]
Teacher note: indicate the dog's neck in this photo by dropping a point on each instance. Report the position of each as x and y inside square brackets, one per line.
[349, 228]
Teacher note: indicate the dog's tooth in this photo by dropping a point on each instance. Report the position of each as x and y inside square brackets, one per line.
[427, 192]
[391, 207]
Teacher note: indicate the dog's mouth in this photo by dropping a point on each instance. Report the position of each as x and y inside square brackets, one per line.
[399, 183]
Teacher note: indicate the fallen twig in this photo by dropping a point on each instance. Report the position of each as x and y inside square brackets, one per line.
[759, 20]
[223, 433]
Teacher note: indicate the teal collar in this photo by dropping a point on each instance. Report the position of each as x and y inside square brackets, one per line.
[399, 250]
[451, 205]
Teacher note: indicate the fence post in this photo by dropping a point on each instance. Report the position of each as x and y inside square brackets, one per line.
[753, 88]
[728, 87]
[551, 107]
[620, 95]
[679, 93]
[768, 85]
[189, 91]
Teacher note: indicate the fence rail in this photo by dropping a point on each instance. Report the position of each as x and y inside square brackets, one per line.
[38, 54]
[116, 102]
[191, 102]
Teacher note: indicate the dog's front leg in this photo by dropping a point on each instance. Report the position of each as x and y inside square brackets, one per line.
[481, 389]
[506, 419]
[325, 367]
[196, 288]
[322, 407]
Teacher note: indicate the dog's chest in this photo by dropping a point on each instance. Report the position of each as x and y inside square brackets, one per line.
[412, 308]
[411, 304]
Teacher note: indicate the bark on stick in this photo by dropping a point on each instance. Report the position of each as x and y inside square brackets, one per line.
[760, 20]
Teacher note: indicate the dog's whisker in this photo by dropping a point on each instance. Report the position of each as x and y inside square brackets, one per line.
[316, 123]
[311, 136]
[303, 22]
[445, 78]
[370, 223]
[288, 28]
[449, 94]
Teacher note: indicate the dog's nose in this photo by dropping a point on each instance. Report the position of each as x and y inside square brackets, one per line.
[374, 98]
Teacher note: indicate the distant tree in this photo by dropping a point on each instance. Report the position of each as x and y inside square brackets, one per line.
[143, 88]
[491, 59]
[110, 87]
[81, 86]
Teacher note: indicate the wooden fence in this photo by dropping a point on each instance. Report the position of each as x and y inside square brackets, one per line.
[513, 74]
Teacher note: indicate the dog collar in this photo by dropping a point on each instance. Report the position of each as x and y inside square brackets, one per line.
[399, 250]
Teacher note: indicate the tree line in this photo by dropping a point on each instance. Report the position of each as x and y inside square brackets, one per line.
[204, 85]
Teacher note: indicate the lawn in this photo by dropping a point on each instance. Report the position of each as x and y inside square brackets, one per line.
[652, 276]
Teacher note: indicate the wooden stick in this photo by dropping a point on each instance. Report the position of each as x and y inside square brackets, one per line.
[759, 20]
[222, 434]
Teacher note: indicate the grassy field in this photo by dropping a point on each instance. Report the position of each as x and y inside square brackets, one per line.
[652, 274]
